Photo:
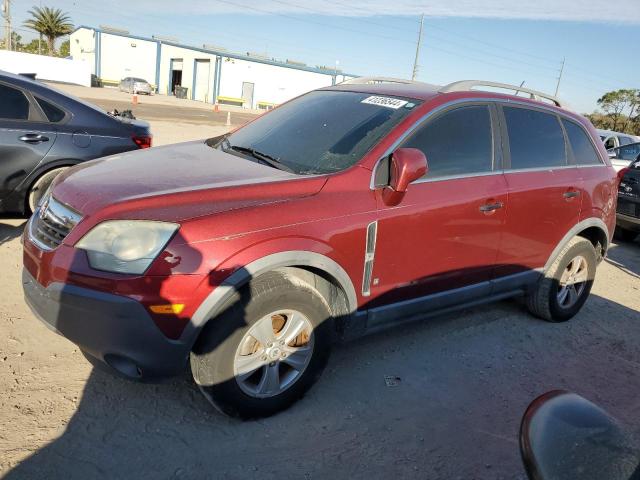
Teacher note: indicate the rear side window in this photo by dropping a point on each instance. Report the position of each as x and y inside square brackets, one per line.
[583, 150]
[628, 152]
[535, 139]
[625, 140]
[13, 104]
[456, 143]
[53, 113]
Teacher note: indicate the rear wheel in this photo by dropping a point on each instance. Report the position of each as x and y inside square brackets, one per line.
[625, 235]
[565, 286]
[266, 349]
[39, 187]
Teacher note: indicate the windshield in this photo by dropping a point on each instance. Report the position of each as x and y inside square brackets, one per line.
[322, 131]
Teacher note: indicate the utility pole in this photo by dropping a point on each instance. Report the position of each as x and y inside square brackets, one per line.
[6, 13]
[559, 77]
[415, 62]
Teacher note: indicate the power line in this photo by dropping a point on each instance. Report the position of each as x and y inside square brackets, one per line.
[444, 40]
[313, 22]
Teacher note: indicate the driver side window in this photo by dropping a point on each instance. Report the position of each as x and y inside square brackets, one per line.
[458, 142]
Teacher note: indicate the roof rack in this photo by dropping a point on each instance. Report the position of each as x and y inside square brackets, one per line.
[466, 85]
[365, 80]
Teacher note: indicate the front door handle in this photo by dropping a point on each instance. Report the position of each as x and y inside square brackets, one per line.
[33, 138]
[571, 194]
[490, 207]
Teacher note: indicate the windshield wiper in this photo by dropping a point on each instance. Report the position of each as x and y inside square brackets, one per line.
[263, 157]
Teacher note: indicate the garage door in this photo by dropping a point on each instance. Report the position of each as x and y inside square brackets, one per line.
[202, 81]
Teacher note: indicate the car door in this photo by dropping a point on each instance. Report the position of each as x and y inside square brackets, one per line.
[444, 235]
[25, 137]
[545, 189]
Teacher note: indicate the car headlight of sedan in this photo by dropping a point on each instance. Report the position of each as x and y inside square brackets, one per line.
[126, 246]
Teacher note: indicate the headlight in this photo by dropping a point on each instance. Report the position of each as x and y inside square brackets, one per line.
[126, 246]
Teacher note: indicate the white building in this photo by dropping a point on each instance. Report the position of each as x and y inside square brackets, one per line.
[209, 75]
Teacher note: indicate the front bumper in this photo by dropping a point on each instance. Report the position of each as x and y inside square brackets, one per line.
[115, 331]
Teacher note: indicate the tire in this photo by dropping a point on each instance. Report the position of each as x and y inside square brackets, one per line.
[39, 187]
[548, 301]
[625, 235]
[218, 359]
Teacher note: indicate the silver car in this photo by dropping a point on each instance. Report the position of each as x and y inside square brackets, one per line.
[135, 85]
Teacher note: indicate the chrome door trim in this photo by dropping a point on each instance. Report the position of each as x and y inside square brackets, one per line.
[369, 257]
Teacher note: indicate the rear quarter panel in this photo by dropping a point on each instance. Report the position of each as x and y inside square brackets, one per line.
[600, 184]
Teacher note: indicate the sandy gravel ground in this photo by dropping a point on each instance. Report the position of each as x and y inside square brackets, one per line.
[464, 382]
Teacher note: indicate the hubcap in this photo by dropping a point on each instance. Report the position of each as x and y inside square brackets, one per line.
[274, 353]
[573, 282]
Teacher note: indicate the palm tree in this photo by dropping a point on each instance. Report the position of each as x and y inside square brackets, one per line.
[51, 23]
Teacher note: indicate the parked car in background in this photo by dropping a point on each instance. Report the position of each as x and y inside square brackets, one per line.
[628, 210]
[44, 131]
[345, 211]
[613, 139]
[622, 157]
[135, 85]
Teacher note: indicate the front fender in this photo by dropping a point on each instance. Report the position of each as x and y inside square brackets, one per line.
[213, 304]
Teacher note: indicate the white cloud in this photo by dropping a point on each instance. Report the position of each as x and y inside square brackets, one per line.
[612, 11]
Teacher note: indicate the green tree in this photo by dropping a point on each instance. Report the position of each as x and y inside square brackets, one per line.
[619, 105]
[65, 48]
[51, 23]
[16, 44]
[37, 47]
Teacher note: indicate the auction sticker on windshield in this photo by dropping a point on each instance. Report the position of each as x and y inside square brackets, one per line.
[388, 102]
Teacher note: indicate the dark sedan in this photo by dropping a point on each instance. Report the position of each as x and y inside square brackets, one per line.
[628, 211]
[43, 131]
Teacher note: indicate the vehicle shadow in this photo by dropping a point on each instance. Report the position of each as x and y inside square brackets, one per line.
[626, 257]
[11, 227]
[413, 402]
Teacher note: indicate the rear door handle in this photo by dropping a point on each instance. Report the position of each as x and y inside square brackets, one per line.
[571, 194]
[33, 138]
[490, 207]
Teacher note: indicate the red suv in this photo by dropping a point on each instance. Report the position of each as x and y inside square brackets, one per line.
[342, 212]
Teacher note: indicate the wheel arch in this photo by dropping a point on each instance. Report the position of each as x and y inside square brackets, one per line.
[16, 200]
[593, 229]
[331, 280]
[41, 170]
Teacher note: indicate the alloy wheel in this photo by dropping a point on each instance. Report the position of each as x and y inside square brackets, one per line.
[573, 282]
[274, 353]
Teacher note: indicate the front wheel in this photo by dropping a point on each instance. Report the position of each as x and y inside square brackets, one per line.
[565, 286]
[266, 349]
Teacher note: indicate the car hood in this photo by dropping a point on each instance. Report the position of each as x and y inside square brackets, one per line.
[176, 182]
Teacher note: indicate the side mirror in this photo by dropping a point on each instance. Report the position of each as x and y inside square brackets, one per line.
[406, 165]
[612, 153]
[563, 435]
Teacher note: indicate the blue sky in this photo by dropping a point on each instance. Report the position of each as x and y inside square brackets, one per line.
[502, 40]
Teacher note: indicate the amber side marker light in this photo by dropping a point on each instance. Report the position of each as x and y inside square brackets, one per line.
[169, 309]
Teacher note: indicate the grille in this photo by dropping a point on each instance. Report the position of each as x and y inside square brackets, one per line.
[51, 223]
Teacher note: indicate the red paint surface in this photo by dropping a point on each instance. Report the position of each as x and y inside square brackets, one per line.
[233, 211]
